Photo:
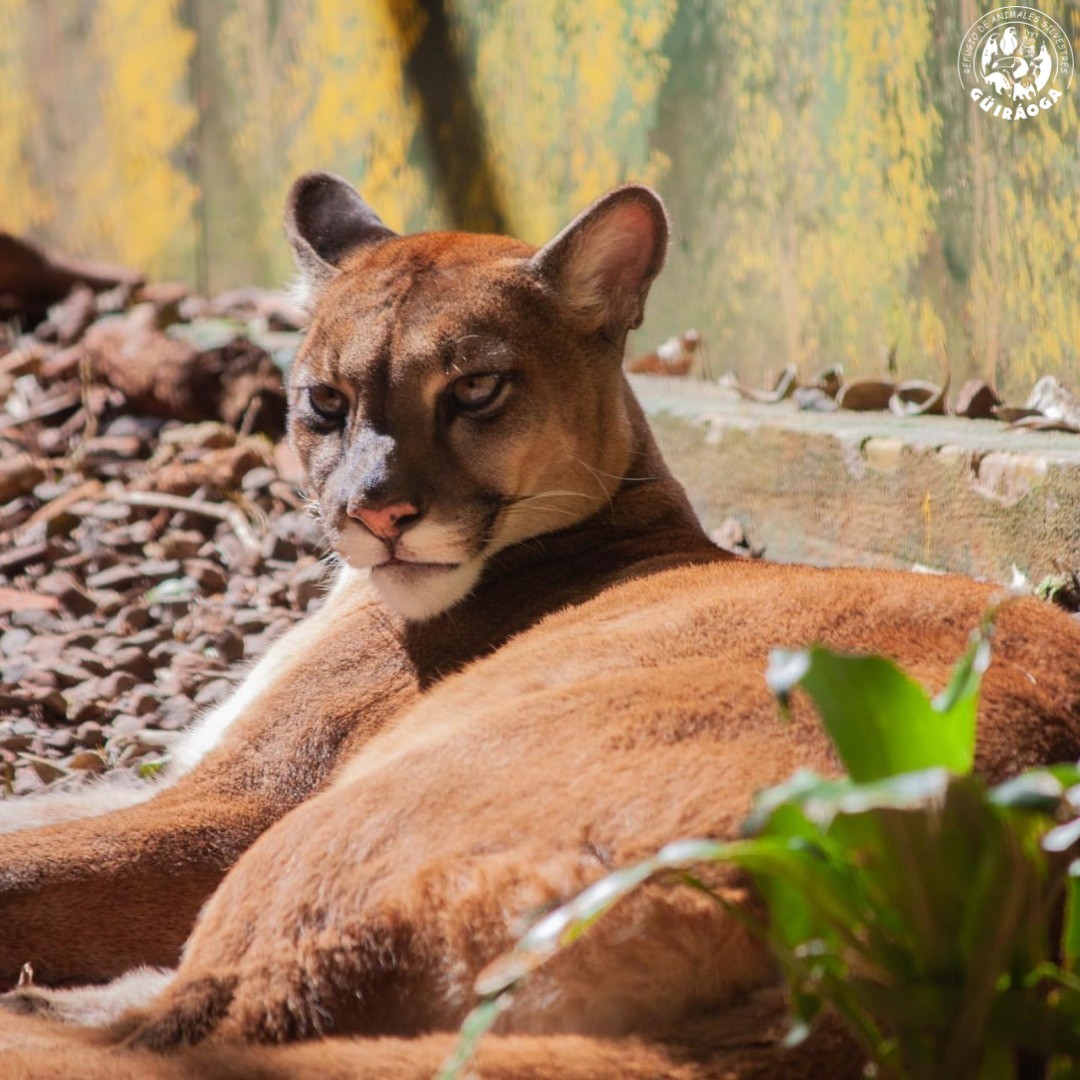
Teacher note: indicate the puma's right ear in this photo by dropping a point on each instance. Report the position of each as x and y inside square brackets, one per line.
[325, 219]
[604, 261]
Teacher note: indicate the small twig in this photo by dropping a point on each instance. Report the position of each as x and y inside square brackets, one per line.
[86, 490]
[42, 411]
[86, 378]
[231, 515]
[254, 406]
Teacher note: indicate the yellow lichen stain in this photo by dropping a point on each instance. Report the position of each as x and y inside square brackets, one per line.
[355, 106]
[135, 199]
[334, 97]
[811, 170]
[878, 159]
[568, 93]
[827, 188]
[24, 205]
[1023, 301]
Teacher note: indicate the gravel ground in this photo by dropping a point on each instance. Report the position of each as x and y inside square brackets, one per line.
[152, 537]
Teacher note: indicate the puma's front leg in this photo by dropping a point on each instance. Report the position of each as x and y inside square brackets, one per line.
[86, 900]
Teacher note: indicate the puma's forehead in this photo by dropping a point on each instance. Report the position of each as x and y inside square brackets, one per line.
[437, 251]
[410, 301]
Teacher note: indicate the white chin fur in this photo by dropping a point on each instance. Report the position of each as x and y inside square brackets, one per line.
[422, 592]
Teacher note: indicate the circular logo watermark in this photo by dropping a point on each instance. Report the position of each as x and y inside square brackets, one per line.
[1015, 62]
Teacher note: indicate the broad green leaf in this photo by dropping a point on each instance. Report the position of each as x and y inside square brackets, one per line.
[1047, 1024]
[925, 1005]
[809, 893]
[1063, 837]
[880, 721]
[915, 866]
[997, 1062]
[687, 852]
[800, 788]
[1068, 773]
[1050, 973]
[905, 791]
[821, 800]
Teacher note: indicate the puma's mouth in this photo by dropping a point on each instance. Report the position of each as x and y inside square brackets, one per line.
[420, 590]
[396, 562]
[424, 574]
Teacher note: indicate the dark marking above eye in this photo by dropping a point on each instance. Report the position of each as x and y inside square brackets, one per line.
[483, 352]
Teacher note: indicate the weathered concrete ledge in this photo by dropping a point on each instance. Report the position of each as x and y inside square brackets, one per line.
[872, 489]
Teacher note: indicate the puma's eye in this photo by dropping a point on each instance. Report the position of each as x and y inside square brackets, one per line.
[328, 403]
[476, 391]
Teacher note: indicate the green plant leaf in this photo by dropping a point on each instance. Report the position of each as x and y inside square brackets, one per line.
[1050, 1025]
[880, 721]
[963, 688]
[480, 1021]
[1063, 837]
[1039, 790]
[803, 787]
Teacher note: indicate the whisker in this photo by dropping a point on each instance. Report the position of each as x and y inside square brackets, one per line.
[513, 500]
[597, 476]
[541, 509]
[623, 479]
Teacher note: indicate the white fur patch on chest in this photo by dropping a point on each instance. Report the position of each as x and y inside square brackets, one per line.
[209, 729]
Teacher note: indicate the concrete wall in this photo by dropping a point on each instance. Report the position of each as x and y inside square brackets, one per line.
[873, 489]
[836, 196]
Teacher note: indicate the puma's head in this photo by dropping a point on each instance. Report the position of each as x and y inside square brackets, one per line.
[457, 394]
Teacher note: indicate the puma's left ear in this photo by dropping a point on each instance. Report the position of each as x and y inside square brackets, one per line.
[325, 219]
[604, 261]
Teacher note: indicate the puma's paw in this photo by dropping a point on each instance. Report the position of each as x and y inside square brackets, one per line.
[31, 1001]
[89, 1006]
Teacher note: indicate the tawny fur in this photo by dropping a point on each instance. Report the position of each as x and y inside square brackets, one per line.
[744, 1045]
[403, 794]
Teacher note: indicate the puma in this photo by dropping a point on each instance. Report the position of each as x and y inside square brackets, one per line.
[534, 668]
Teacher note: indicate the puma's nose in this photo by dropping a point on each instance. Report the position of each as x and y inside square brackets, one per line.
[387, 522]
